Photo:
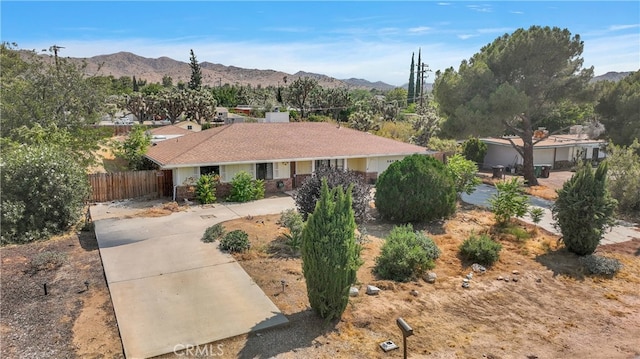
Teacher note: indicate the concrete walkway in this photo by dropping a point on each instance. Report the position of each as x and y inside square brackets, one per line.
[622, 232]
[171, 290]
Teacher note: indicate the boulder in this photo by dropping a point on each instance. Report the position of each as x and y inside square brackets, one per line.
[372, 290]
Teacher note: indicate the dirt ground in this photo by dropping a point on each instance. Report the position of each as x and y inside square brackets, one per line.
[553, 310]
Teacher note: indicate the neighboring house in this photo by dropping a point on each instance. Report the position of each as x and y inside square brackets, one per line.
[282, 154]
[234, 118]
[167, 132]
[189, 125]
[222, 113]
[558, 151]
[275, 117]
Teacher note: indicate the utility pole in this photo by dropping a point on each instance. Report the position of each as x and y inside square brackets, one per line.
[422, 70]
[55, 49]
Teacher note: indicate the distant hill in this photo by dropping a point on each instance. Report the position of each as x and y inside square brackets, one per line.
[153, 70]
[611, 76]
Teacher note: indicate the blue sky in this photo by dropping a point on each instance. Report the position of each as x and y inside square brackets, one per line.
[363, 39]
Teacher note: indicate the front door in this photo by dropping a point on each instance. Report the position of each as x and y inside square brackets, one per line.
[293, 174]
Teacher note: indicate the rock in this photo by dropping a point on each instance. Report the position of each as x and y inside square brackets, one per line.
[414, 293]
[500, 278]
[353, 292]
[518, 263]
[515, 279]
[470, 276]
[539, 280]
[507, 279]
[372, 290]
[430, 277]
[465, 283]
[478, 268]
[515, 272]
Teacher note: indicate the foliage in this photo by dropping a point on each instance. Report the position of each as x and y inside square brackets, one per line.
[584, 209]
[623, 179]
[292, 220]
[206, 188]
[426, 124]
[195, 82]
[411, 93]
[474, 150]
[399, 130]
[496, 92]
[134, 147]
[406, 254]
[509, 201]
[363, 120]
[212, 233]
[481, 249]
[48, 260]
[464, 174]
[330, 254]
[244, 188]
[299, 94]
[418, 188]
[308, 194]
[399, 95]
[200, 105]
[618, 107]
[43, 192]
[235, 241]
[599, 265]
[444, 145]
[536, 214]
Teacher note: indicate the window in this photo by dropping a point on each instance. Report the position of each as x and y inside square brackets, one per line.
[335, 163]
[189, 127]
[264, 171]
[207, 170]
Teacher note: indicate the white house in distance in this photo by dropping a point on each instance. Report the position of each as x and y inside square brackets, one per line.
[557, 151]
[282, 154]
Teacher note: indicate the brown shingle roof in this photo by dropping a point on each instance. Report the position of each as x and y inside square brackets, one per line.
[170, 130]
[250, 142]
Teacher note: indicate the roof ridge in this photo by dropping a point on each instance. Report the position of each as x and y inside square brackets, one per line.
[205, 138]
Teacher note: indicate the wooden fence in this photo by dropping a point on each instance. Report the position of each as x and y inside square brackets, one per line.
[124, 185]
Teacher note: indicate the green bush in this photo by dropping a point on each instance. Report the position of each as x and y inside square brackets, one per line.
[474, 150]
[48, 260]
[623, 177]
[292, 220]
[206, 189]
[464, 173]
[481, 249]
[509, 201]
[244, 188]
[235, 241]
[43, 193]
[536, 214]
[212, 233]
[600, 265]
[406, 254]
[584, 209]
[417, 189]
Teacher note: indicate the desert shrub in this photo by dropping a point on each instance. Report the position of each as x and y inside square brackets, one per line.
[474, 150]
[308, 194]
[47, 260]
[599, 265]
[536, 214]
[510, 201]
[330, 254]
[235, 241]
[206, 189]
[515, 230]
[623, 179]
[584, 209]
[406, 254]
[244, 188]
[464, 173]
[43, 193]
[481, 249]
[212, 233]
[133, 148]
[418, 188]
[292, 220]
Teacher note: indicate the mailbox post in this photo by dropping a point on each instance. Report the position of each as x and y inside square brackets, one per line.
[407, 331]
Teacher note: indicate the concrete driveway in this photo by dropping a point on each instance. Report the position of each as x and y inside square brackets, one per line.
[171, 290]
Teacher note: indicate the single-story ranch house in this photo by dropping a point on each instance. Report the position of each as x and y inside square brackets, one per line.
[281, 154]
[557, 151]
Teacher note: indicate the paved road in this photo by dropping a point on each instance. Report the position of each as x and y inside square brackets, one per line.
[169, 289]
[622, 232]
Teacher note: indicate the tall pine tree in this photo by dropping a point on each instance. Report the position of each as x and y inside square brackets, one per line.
[418, 92]
[196, 73]
[411, 89]
[330, 254]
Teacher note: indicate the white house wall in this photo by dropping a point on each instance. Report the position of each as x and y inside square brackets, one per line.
[543, 156]
[180, 175]
[501, 155]
[380, 164]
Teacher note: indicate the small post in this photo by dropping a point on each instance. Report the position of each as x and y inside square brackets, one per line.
[44, 285]
[284, 283]
[407, 331]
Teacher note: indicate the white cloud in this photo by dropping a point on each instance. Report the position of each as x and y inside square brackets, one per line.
[444, 3]
[419, 29]
[623, 27]
[466, 36]
[517, 12]
[480, 8]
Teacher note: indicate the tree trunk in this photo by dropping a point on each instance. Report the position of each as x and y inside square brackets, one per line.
[527, 157]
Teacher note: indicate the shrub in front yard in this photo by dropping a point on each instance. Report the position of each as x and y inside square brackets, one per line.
[212, 233]
[244, 188]
[599, 265]
[509, 201]
[406, 254]
[481, 249]
[235, 241]
[292, 220]
[206, 189]
[48, 260]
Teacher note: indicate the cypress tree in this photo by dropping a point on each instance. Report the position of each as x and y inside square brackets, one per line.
[136, 87]
[411, 88]
[196, 73]
[330, 254]
[418, 92]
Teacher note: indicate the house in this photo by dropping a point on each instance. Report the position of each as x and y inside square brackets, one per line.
[190, 125]
[167, 132]
[558, 151]
[281, 154]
